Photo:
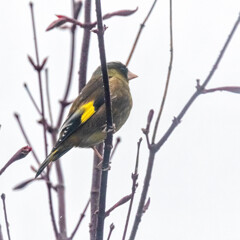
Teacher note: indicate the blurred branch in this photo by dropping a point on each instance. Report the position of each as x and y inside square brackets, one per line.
[85, 47]
[61, 19]
[154, 148]
[118, 204]
[48, 98]
[79, 221]
[25, 136]
[110, 231]
[76, 10]
[134, 186]
[3, 197]
[39, 68]
[95, 191]
[53, 219]
[118, 140]
[32, 99]
[139, 32]
[21, 153]
[168, 76]
[108, 140]
[1, 236]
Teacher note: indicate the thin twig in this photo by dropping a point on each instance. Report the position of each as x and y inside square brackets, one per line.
[39, 69]
[110, 231]
[48, 97]
[139, 33]
[134, 186]
[80, 220]
[95, 191]
[156, 147]
[108, 140]
[53, 219]
[85, 47]
[3, 197]
[168, 75]
[32, 99]
[26, 137]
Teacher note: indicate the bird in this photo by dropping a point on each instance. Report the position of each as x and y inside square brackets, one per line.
[85, 125]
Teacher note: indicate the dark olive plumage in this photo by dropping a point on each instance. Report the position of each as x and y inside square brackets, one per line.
[86, 121]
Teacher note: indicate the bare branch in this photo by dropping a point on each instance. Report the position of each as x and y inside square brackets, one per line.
[108, 140]
[110, 231]
[3, 197]
[139, 32]
[134, 186]
[168, 76]
[80, 220]
[26, 137]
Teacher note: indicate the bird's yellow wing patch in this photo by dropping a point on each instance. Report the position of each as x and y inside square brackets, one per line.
[88, 110]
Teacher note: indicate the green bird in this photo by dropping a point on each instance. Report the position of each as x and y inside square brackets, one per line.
[85, 125]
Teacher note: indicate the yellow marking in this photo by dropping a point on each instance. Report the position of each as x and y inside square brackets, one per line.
[88, 110]
[54, 152]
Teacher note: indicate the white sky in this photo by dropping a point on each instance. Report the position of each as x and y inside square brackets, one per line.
[195, 186]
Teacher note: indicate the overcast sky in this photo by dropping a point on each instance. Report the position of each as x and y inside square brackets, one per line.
[195, 185]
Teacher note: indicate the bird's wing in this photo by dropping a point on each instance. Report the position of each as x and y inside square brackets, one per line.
[83, 108]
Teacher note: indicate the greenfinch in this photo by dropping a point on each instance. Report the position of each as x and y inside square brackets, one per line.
[85, 125]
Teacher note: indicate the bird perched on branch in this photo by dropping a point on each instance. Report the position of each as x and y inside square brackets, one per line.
[85, 125]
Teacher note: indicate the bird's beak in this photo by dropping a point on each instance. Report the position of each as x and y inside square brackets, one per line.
[131, 75]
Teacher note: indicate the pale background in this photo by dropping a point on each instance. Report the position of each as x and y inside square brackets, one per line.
[195, 186]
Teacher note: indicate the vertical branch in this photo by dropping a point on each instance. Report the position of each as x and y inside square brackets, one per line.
[134, 186]
[51, 209]
[108, 140]
[76, 11]
[1, 236]
[168, 75]
[139, 33]
[39, 69]
[95, 190]
[85, 47]
[48, 98]
[5, 215]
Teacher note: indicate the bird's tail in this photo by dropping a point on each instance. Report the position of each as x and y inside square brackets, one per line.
[53, 156]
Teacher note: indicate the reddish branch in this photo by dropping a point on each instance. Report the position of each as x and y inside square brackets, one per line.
[21, 153]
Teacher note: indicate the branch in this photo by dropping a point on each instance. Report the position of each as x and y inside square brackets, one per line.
[168, 76]
[76, 10]
[156, 147]
[3, 197]
[21, 153]
[110, 231]
[39, 68]
[108, 140]
[26, 137]
[48, 98]
[139, 33]
[80, 220]
[134, 186]
[95, 191]
[85, 48]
